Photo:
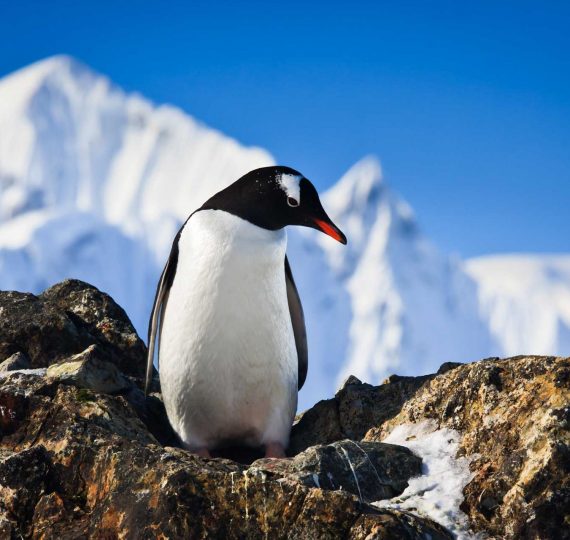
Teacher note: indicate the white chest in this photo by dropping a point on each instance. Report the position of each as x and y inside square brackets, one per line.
[228, 363]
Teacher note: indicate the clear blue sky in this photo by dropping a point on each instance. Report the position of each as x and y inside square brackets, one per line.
[467, 104]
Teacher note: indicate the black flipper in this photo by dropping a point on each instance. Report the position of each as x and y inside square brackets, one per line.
[159, 306]
[298, 320]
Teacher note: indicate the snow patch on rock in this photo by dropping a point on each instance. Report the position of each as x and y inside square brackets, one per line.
[438, 493]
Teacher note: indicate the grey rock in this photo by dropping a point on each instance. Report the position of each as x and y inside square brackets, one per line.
[319, 424]
[89, 369]
[371, 471]
[447, 366]
[64, 320]
[353, 411]
[17, 361]
[349, 381]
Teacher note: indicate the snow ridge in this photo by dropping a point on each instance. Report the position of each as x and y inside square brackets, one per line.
[412, 307]
[94, 182]
[526, 301]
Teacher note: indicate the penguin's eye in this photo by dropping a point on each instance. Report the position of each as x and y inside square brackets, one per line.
[292, 202]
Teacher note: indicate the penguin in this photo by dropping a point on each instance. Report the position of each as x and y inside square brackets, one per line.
[232, 342]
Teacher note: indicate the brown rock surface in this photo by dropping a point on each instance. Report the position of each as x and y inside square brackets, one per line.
[514, 419]
[84, 454]
[75, 463]
[64, 320]
[78, 463]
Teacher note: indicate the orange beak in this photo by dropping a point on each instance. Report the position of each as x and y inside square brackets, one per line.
[331, 229]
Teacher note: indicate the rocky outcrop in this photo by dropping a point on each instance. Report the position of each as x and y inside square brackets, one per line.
[84, 454]
[514, 420]
[353, 411]
[64, 320]
[371, 470]
[75, 463]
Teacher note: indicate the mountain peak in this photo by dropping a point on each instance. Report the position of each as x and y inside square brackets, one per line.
[366, 171]
[60, 71]
[59, 63]
[358, 188]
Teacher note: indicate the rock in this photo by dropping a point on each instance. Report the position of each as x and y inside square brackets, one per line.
[64, 320]
[513, 419]
[349, 381]
[447, 366]
[320, 424]
[107, 324]
[83, 453]
[96, 455]
[22, 491]
[36, 328]
[354, 410]
[96, 471]
[89, 369]
[150, 409]
[372, 471]
[17, 361]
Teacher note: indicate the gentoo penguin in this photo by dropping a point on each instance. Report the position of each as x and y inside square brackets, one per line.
[232, 339]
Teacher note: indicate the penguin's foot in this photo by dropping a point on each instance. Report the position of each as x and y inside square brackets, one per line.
[274, 450]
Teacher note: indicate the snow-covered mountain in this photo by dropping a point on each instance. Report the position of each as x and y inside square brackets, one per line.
[388, 299]
[94, 183]
[72, 140]
[526, 300]
[421, 301]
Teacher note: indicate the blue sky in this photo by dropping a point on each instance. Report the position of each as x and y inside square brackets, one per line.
[467, 104]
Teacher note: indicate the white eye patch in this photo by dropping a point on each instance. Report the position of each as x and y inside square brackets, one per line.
[289, 183]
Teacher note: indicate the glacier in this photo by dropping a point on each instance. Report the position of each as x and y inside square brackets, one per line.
[95, 182]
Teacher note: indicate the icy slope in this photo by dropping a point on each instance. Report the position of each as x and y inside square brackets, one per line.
[388, 300]
[526, 300]
[81, 245]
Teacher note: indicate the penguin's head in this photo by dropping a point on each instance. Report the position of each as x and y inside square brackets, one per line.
[274, 197]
